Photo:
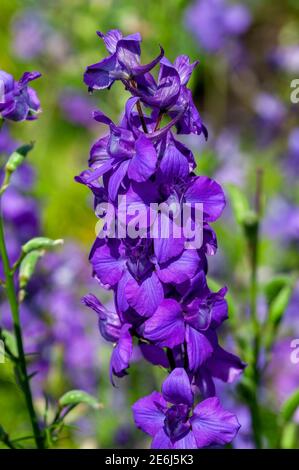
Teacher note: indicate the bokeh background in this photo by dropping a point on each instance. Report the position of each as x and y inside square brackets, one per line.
[249, 55]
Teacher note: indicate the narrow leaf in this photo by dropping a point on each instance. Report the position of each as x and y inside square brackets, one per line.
[290, 406]
[75, 397]
[239, 202]
[40, 243]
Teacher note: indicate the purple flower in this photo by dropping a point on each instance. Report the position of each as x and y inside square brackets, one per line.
[123, 154]
[171, 95]
[123, 63]
[169, 418]
[18, 101]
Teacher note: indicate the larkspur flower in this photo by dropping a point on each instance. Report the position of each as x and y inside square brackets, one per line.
[19, 101]
[173, 423]
[123, 63]
[162, 302]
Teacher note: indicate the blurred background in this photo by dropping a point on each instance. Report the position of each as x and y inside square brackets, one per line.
[249, 55]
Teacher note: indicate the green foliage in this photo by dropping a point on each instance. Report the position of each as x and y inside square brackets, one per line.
[76, 397]
[40, 243]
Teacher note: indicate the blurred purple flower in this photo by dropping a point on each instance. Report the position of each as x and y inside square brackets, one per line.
[77, 108]
[282, 221]
[7, 143]
[269, 109]
[30, 33]
[214, 22]
[33, 37]
[286, 58]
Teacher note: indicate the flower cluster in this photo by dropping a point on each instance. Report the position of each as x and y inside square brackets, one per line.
[161, 294]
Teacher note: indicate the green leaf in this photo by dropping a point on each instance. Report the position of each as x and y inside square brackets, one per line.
[289, 436]
[27, 267]
[75, 397]
[40, 243]
[279, 304]
[290, 406]
[273, 287]
[239, 202]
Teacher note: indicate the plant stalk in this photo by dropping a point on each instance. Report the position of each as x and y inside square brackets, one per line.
[22, 366]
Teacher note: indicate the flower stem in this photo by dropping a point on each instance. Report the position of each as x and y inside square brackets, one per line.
[141, 116]
[254, 243]
[170, 358]
[160, 116]
[22, 366]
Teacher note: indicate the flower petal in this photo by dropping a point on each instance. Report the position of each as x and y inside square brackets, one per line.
[146, 296]
[99, 76]
[225, 366]
[176, 388]
[181, 268]
[209, 193]
[121, 355]
[166, 326]
[213, 425]
[161, 441]
[110, 39]
[107, 262]
[154, 354]
[149, 413]
[116, 179]
[187, 442]
[199, 348]
[184, 68]
[143, 163]
[109, 322]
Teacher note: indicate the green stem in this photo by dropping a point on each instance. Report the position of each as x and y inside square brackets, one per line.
[22, 366]
[254, 243]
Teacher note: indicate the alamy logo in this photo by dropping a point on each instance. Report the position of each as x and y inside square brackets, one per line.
[294, 357]
[168, 220]
[295, 93]
[2, 352]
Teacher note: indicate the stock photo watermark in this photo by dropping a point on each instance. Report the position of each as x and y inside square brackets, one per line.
[295, 93]
[294, 356]
[168, 220]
